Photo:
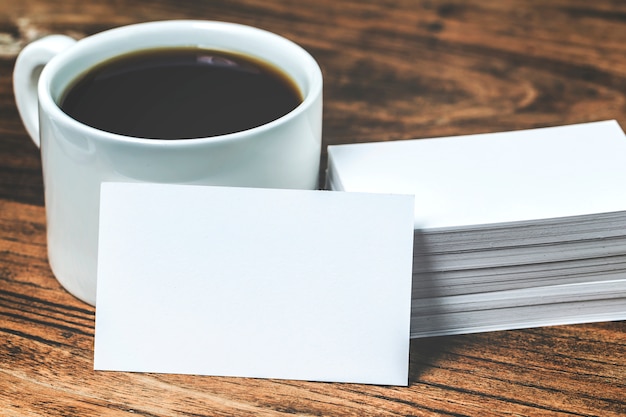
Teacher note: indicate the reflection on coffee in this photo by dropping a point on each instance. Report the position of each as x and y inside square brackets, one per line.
[180, 93]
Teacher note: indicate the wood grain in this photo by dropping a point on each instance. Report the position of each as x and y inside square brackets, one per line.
[393, 70]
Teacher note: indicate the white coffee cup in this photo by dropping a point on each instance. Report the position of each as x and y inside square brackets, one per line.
[77, 158]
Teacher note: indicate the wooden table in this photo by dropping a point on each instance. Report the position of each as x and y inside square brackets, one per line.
[393, 70]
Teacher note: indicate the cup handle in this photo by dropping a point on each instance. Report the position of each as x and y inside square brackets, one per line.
[28, 67]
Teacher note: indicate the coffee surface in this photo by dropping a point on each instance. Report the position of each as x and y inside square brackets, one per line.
[180, 93]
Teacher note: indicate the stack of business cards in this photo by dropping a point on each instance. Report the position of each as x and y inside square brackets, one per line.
[512, 230]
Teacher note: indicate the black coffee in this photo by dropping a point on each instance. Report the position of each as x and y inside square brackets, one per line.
[180, 93]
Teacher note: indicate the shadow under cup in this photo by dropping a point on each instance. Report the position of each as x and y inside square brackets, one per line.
[76, 158]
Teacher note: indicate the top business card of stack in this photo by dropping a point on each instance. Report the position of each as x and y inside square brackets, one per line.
[495, 177]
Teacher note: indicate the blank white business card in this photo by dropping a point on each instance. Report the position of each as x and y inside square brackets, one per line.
[494, 177]
[290, 284]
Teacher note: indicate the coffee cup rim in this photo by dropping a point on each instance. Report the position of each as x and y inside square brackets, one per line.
[108, 37]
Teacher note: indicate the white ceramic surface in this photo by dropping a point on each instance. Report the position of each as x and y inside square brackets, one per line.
[76, 158]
